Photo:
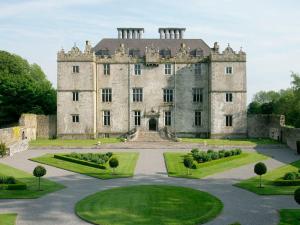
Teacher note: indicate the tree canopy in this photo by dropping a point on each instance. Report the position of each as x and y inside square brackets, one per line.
[24, 88]
[284, 102]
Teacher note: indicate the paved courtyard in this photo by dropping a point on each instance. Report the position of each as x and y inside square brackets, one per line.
[239, 205]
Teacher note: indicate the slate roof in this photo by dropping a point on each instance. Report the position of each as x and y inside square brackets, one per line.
[112, 44]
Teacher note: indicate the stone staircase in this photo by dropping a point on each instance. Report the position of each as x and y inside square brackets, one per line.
[149, 136]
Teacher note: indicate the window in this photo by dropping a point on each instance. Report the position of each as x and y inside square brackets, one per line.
[167, 118]
[137, 94]
[75, 96]
[106, 69]
[106, 94]
[168, 95]
[134, 52]
[75, 118]
[137, 118]
[228, 97]
[197, 94]
[228, 120]
[228, 70]
[137, 69]
[198, 118]
[106, 118]
[75, 69]
[103, 52]
[165, 53]
[168, 69]
[198, 69]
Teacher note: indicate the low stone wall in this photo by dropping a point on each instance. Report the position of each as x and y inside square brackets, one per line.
[46, 126]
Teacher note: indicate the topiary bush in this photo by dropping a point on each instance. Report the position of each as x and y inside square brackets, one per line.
[195, 151]
[297, 195]
[113, 163]
[210, 151]
[39, 172]
[260, 169]
[214, 155]
[188, 162]
[227, 154]
[202, 157]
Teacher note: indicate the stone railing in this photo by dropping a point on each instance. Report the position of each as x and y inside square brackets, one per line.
[167, 132]
[132, 134]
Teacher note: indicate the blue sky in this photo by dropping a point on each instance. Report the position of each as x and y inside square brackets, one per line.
[269, 31]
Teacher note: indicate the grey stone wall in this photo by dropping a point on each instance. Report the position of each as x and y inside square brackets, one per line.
[46, 126]
[290, 136]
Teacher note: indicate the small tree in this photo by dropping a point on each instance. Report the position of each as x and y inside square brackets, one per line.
[39, 172]
[3, 149]
[113, 163]
[297, 195]
[188, 163]
[260, 169]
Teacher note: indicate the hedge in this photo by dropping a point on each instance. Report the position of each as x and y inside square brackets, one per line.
[282, 182]
[82, 162]
[18, 186]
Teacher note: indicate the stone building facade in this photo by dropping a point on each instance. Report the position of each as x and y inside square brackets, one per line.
[151, 84]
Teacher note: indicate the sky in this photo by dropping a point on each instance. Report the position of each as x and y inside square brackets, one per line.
[268, 31]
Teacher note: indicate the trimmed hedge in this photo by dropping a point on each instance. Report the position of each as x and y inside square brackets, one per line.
[282, 182]
[82, 162]
[17, 186]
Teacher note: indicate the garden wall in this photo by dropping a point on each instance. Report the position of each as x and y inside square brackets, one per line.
[273, 126]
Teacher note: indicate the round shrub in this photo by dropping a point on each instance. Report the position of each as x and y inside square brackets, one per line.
[10, 180]
[227, 154]
[238, 151]
[297, 195]
[195, 151]
[113, 163]
[221, 154]
[39, 172]
[188, 163]
[260, 168]
[290, 176]
[232, 152]
[214, 155]
[210, 151]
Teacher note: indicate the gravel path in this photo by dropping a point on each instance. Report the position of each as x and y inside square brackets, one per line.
[239, 205]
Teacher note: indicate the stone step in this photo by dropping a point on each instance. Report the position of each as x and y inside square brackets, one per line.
[149, 136]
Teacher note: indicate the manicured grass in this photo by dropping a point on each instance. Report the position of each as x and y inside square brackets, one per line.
[175, 167]
[72, 143]
[267, 179]
[235, 142]
[8, 219]
[289, 217]
[127, 162]
[149, 205]
[47, 186]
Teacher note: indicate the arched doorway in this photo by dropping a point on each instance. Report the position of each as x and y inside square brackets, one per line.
[152, 124]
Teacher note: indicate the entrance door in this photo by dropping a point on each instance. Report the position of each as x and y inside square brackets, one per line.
[152, 124]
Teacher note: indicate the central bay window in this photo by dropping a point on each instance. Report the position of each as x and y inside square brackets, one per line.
[168, 69]
[106, 69]
[228, 120]
[137, 69]
[106, 95]
[167, 118]
[168, 95]
[137, 117]
[198, 118]
[137, 94]
[106, 118]
[197, 94]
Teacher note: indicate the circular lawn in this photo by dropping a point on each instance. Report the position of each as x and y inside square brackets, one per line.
[149, 205]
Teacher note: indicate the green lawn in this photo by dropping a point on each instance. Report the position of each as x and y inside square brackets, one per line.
[289, 217]
[175, 167]
[269, 187]
[47, 186]
[8, 219]
[149, 205]
[72, 143]
[235, 142]
[127, 162]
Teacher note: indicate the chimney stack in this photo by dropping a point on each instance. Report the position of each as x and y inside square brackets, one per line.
[130, 33]
[171, 33]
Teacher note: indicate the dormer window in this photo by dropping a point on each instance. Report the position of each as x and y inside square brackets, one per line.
[134, 52]
[198, 53]
[103, 52]
[165, 53]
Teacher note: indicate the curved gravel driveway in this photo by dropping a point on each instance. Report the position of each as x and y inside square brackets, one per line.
[239, 205]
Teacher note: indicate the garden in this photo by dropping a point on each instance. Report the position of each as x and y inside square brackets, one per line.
[100, 165]
[281, 181]
[198, 164]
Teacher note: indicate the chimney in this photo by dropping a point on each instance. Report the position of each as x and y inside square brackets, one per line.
[171, 33]
[130, 33]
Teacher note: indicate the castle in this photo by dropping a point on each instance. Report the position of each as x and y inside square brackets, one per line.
[167, 83]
